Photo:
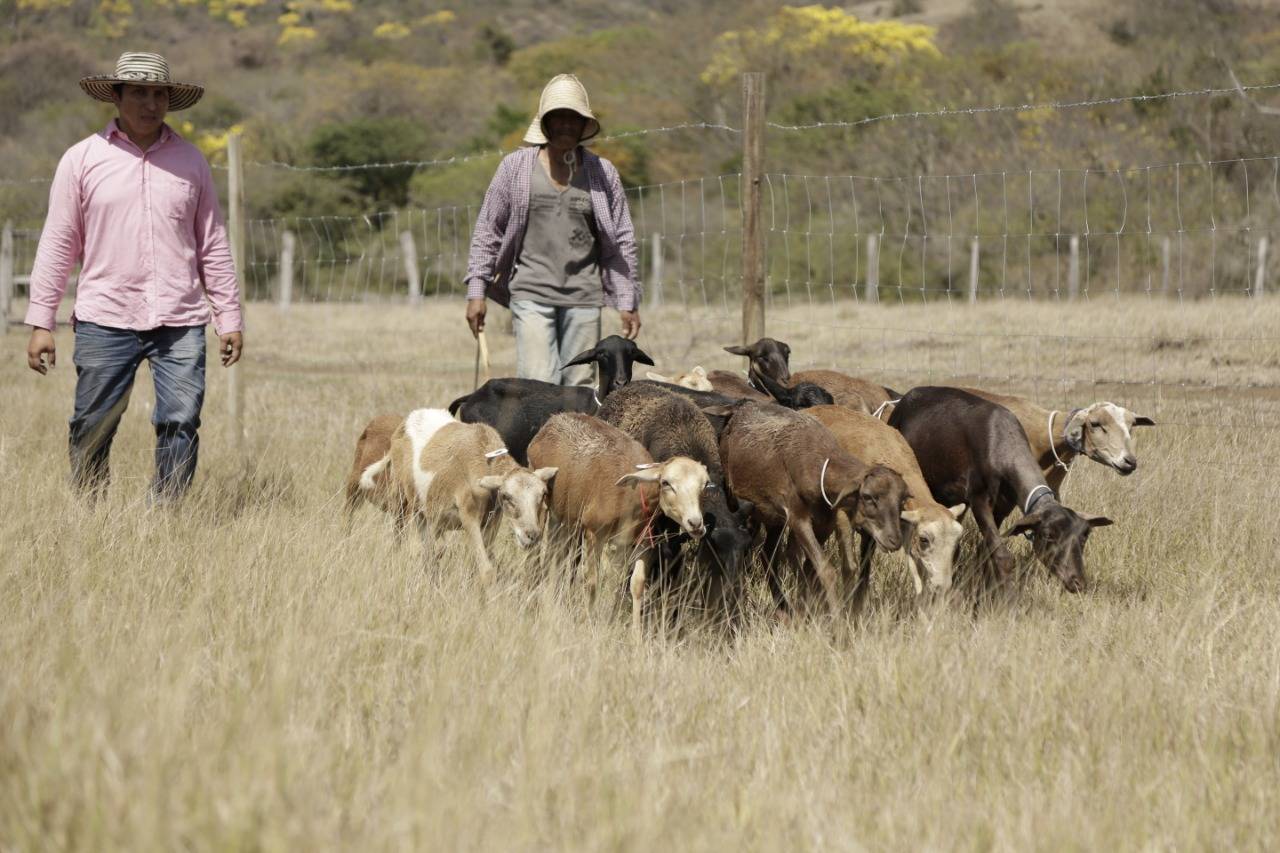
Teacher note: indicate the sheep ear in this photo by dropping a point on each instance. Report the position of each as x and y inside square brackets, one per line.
[586, 357]
[699, 371]
[957, 511]
[721, 411]
[1026, 524]
[737, 350]
[657, 377]
[1095, 520]
[641, 357]
[546, 474]
[745, 507]
[645, 475]
[1143, 420]
[490, 483]
[911, 516]
[851, 490]
[1075, 431]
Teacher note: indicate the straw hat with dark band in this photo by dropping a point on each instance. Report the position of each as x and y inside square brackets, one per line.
[564, 92]
[142, 69]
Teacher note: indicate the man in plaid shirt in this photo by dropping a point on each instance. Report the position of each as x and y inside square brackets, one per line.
[554, 242]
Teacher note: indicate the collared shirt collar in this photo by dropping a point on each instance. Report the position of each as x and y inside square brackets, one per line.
[114, 129]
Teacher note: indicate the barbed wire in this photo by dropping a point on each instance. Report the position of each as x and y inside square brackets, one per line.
[423, 164]
[725, 128]
[16, 181]
[479, 155]
[1047, 105]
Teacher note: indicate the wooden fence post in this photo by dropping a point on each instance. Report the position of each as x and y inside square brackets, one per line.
[1073, 270]
[409, 249]
[973, 271]
[1260, 281]
[6, 276]
[1166, 253]
[285, 296]
[655, 273]
[752, 234]
[873, 268]
[235, 227]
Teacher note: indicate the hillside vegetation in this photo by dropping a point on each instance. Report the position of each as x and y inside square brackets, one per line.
[332, 82]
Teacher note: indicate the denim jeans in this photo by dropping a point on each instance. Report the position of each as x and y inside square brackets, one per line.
[547, 336]
[106, 361]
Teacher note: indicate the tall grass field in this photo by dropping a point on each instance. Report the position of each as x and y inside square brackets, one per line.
[249, 671]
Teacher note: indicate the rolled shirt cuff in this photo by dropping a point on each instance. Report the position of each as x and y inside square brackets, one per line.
[629, 301]
[228, 322]
[42, 316]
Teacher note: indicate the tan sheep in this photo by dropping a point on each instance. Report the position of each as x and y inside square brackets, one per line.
[448, 475]
[609, 487]
[931, 531]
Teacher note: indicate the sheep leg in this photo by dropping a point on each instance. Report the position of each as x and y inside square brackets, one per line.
[773, 537]
[863, 583]
[599, 566]
[593, 554]
[716, 606]
[426, 532]
[844, 537]
[638, 579]
[474, 532]
[807, 585]
[999, 562]
[803, 531]
[352, 502]
[917, 574]
[544, 550]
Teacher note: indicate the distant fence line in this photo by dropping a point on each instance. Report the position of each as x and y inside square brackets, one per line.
[733, 245]
[1181, 230]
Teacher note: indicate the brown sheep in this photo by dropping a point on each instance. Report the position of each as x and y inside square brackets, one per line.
[798, 478]
[597, 465]
[735, 385]
[772, 358]
[1102, 432]
[931, 531]
[371, 447]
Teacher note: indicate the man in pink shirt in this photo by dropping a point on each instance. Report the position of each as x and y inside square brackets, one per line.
[136, 207]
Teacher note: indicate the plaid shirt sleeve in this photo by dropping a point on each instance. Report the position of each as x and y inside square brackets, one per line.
[491, 225]
[628, 290]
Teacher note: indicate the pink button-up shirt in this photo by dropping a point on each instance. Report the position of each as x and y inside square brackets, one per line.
[147, 231]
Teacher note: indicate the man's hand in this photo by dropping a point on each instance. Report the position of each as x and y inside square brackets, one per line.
[40, 345]
[630, 324]
[475, 316]
[229, 346]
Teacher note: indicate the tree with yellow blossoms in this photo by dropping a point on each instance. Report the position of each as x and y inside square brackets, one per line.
[814, 45]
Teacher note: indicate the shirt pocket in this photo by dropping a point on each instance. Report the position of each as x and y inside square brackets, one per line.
[544, 202]
[178, 197]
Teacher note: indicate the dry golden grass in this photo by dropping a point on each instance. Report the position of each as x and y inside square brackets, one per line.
[246, 672]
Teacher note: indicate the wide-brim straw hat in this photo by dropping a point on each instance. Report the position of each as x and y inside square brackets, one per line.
[564, 92]
[142, 69]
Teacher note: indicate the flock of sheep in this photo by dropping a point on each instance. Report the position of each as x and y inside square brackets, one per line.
[673, 479]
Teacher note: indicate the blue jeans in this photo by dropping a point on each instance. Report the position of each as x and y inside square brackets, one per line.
[547, 336]
[106, 361]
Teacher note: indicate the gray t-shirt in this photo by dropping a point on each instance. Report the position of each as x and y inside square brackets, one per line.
[559, 261]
